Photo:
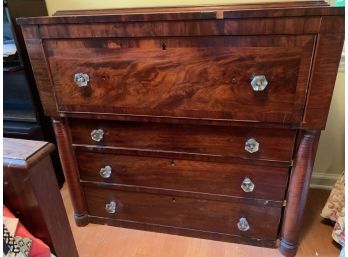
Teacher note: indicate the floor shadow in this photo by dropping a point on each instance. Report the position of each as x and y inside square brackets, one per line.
[315, 202]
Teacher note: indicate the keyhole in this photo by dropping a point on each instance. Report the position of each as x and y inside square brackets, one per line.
[173, 163]
[173, 199]
[164, 46]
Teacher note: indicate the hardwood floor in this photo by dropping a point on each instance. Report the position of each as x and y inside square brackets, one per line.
[105, 241]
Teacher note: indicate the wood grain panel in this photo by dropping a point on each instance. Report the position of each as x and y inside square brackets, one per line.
[205, 78]
[203, 215]
[316, 237]
[325, 67]
[182, 233]
[195, 176]
[185, 194]
[262, 26]
[40, 69]
[201, 140]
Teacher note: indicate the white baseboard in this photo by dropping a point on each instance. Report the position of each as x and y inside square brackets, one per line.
[323, 180]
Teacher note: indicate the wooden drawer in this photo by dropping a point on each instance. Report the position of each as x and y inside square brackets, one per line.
[197, 214]
[195, 176]
[156, 138]
[188, 77]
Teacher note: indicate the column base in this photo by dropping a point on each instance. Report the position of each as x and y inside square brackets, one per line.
[81, 220]
[288, 249]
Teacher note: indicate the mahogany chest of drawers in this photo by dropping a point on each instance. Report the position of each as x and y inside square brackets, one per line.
[198, 121]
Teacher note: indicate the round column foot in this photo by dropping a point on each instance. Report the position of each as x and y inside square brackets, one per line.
[81, 220]
[288, 249]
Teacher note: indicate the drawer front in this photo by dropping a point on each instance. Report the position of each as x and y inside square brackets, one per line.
[204, 177]
[206, 215]
[188, 77]
[238, 142]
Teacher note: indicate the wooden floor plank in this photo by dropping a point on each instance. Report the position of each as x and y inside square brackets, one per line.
[100, 241]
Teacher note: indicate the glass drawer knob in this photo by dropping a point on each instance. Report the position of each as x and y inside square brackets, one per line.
[243, 224]
[247, 185]
[97, 135]
[105, 172]
[251, 145]
[81, 79]
[111, 207]
[259, 82]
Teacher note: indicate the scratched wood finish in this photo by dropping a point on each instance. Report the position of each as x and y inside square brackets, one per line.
[192, 77]
[196, 214]
[195, 176]
[199, 140]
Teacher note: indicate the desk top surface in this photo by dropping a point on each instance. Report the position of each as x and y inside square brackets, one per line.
[201, 12]
[21, 150]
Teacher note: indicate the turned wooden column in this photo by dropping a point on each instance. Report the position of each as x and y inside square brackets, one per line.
[297, 192]
[70, 169]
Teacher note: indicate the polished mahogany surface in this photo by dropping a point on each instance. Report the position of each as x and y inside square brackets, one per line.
[31, 192]
[175, 119]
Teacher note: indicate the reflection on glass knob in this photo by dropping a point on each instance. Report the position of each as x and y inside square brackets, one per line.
[81, 79]
[243, 224]
[97, 135]
[105, 172]
[111, 207]
[251, 145]
[247, 185]
[259, 82]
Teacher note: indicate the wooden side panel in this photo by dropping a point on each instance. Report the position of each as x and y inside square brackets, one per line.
[31, 192]
[52, 208]
[40, 69]
[325, 67]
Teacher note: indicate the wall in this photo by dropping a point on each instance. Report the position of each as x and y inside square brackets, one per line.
[329, 162]
[330, 157]
[55, 5]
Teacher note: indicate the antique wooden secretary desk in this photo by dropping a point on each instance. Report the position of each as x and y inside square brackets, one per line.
[198, 121]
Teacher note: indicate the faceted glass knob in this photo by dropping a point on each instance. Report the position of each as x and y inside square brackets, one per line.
[259, 82]
[111, 207]
[251, 145]
[97, 135]
[81, 79]
[247, 185]
[243, 224]
[105, 172]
